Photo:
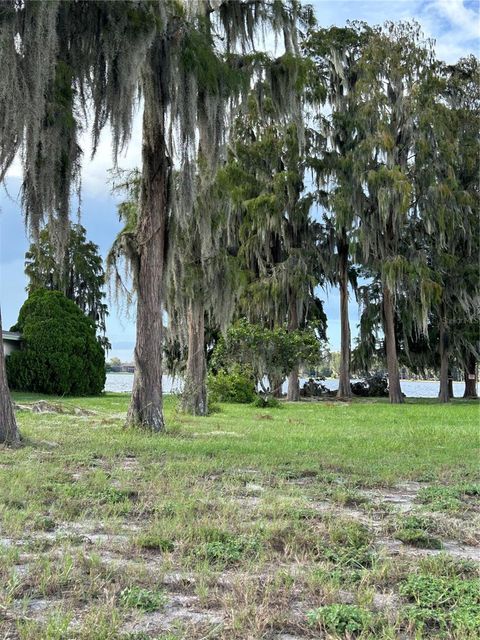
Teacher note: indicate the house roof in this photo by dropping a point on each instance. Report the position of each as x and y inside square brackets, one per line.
[11, 335]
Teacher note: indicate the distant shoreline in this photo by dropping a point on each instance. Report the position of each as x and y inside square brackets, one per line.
[415, 380]
[431, 380]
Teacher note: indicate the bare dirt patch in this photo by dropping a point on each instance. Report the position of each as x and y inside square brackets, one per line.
[401, 497]
[179, 609]
[397, 548]
[43, 406]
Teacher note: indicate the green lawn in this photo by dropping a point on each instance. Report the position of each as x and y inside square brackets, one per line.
[313, 520]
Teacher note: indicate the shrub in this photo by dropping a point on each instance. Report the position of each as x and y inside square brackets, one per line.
[61, 354]
[266, 402]
[233, 386]
[341, 618]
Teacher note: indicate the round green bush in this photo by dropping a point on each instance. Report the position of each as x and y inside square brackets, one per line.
[61, 354]
[233, 386]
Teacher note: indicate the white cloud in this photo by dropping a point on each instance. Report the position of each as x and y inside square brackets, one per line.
[95, 176]
[451, 23]
[460, 16]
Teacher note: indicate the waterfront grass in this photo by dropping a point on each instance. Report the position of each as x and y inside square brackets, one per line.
[250, 523]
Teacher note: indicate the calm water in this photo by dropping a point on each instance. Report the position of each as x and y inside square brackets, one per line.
[417, 389]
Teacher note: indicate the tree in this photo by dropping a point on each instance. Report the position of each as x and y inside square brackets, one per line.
[274, 232]
[394, 62]
[113, 364]
[202, 286]
[268, 353]
[60, 353]
[62, 60]
[80, 277]
[448, 199]
[190, 74]
[9, 433]
[336, 53]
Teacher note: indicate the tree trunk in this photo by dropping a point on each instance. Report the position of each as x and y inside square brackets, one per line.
[9, 433]
[276, 384]
[146, 403]
[394, 389]
[450, 384]
[293, 391]
[471, 377]
[443, 394]
[344, 388]
[194, 397]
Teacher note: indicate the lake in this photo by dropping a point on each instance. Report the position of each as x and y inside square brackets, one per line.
[412, 388]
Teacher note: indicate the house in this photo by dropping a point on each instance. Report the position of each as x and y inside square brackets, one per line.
[12, 341]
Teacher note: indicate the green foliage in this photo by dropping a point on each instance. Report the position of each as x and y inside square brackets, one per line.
[155, 542]
[213, 74]
[60, 354]
[439, 603]
[266, 402]
[271, 353]
[135, 597]
[232, 386]
[226, 549]
[341, 619]
[81, 276]
[350, 546]
[418, 538]
[441, 498]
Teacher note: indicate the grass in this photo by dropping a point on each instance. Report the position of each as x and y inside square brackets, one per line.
[244, 525]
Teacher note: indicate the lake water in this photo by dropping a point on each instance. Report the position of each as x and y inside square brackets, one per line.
[412, 389]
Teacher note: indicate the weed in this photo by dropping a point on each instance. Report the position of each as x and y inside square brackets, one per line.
[146, 600]
[230, 550]
[441, 498]
[44, 523]
[444, 604]
[446, 566]
[152, 541]
[341, 619]
[418, 538]
[348, 497]
[350, 534]
[413, 531]
[350, 546]
[142, 635]
[54, 628]
[263, 402]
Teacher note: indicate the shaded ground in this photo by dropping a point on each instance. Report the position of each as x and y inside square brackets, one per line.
[308, 521]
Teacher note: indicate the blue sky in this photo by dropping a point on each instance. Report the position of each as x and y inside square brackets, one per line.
[454, 24]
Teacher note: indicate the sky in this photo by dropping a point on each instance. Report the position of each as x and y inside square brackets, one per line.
[453, 24]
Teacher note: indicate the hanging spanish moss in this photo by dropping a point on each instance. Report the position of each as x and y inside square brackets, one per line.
[195, 78]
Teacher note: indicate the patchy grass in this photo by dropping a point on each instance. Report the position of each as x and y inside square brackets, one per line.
[348, 520]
